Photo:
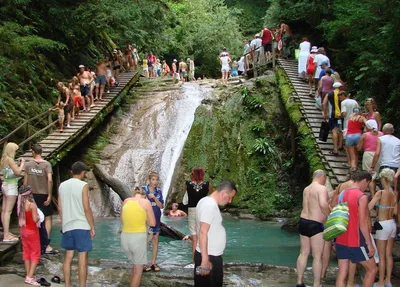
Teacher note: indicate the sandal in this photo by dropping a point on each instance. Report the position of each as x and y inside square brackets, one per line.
[11, 239]
[155, 267]
[43, 282]
[31, 281]
[334, 153]
[146, 268]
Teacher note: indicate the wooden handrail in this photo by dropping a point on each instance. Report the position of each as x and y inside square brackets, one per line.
[5, 139]
[49, 126]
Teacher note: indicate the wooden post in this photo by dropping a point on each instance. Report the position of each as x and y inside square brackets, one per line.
[50, 121]
[273, 55]
[27, 135]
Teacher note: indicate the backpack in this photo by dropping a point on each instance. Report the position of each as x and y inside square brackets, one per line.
[338, 220]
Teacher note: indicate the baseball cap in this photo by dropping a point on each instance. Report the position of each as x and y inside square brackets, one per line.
[324, 63]
[337, 85]
[175, 60]
[81, 66]
[115, 51]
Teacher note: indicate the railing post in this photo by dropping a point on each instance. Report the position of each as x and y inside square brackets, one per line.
[27, 135]
[50, 121]
[273, 54]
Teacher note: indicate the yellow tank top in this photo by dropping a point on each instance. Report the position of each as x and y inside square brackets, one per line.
[133, 217]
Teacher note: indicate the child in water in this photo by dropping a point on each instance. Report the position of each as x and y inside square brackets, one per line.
[60, 111]
[28, 219]
[175, 212]
[154, 194]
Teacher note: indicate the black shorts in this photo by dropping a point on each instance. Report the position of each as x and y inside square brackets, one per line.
[68, 108]
[216, 276]
[310, 228]
[333, 123]
[85, 90]
[268, 47]
[116, 67]
[40, 199]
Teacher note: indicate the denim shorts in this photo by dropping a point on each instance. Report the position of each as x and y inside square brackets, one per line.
[77, 239]
[352, 139]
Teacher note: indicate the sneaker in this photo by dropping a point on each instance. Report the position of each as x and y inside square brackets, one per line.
[108, 91]
[68, 126]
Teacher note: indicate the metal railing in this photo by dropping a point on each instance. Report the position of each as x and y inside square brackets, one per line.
[261, 59]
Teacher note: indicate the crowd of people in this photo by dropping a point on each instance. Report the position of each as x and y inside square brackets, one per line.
[140, 217]
[354, 128]
[263, 45]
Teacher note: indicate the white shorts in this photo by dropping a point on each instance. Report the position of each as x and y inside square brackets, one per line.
[225, 69]
[192, 220]
[10, 188]
[388, 231]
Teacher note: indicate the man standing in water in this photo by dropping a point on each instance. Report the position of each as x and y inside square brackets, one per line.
[39, 175]
[212, 236]
[225, 59]
[313, 216]
[77, 222]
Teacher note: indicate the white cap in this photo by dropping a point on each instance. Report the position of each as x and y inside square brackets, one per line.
[115, 51]
[175, 60]
[314, 49]
[337, 85]
[81, 66]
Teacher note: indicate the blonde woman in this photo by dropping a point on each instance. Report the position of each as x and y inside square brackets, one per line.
[372, 112]
[386, 228]
[11, 171]
[136, 214]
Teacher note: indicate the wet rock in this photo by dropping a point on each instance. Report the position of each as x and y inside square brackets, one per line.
[291, 224]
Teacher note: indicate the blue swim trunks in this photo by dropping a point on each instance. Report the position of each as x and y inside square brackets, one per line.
[157, 211]
[77, 239]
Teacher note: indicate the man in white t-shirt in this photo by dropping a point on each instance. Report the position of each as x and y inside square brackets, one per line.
[212, 236]
[319, 59]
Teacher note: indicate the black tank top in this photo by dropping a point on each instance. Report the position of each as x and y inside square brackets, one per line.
[196, 192]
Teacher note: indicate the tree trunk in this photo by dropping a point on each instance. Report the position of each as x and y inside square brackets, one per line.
[119, 187]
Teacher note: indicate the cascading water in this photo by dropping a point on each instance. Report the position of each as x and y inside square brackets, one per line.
[157, 135]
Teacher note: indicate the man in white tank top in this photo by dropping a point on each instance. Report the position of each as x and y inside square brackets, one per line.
[77, 222]
[387, 150]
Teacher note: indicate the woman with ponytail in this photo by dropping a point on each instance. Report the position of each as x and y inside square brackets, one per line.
[28, 219]
[195, 190]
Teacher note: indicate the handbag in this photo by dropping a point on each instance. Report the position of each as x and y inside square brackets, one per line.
[323, 131]
[8, 173]
[338, 220]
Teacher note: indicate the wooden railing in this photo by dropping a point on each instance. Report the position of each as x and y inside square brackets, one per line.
[261, 59]
[43, 118]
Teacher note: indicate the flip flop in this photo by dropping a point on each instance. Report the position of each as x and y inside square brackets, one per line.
[56, 279]
[15, 239]
[43, 282]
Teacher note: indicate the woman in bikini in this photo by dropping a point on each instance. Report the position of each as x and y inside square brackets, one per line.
[386, 228]
[116, 66]
[372, 112]
[175, 212]
[128, 58]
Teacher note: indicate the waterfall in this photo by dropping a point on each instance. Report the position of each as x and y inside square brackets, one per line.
[157, 131]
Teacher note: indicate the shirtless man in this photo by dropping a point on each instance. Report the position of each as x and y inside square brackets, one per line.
[65, 96]
[313, 216]
[85, 80]
[174, 72]
[183, 70]
[101, 78]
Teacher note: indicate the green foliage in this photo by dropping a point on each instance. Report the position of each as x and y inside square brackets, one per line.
[362, 40]
[203, 28]
[234, 142]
